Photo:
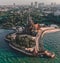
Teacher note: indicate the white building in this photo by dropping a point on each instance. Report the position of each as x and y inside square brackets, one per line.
[54, 25]
[57, 13]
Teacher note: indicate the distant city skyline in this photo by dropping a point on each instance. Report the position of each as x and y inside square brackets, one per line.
[25, 2]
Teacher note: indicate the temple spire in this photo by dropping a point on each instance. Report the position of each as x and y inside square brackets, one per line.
[29, 18]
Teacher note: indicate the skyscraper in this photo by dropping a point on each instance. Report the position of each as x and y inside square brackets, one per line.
[36, 5]
[31, 4]
[14, 5]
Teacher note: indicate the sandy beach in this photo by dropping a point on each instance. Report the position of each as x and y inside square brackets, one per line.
[49, 30]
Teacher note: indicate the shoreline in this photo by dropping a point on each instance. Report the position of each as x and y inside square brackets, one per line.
[45, 30]
[50, 30]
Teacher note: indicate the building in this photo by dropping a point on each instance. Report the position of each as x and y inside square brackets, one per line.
[3, 9]
[31, 4]
[40, 5]
[53, 4]
[36, 5]
[54, 26]
[14, 5]
[57, 13]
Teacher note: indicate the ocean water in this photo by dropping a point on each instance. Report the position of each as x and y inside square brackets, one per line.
[50, 41]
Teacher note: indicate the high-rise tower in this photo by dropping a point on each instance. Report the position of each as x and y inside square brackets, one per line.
[36, 5]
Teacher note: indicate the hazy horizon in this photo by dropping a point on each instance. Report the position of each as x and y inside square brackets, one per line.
[21, 2]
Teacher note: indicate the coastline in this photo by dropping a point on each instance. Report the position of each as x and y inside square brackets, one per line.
[46, 30]
[50, 30]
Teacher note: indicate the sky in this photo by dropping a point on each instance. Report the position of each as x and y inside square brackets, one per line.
[20, 2]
